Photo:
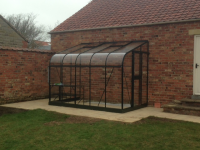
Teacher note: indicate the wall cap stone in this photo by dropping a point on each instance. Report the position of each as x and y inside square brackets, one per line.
[26, 49]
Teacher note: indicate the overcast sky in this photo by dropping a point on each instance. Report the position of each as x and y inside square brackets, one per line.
[48, 11]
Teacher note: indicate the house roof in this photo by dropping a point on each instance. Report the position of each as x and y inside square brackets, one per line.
[13, 28]
[119, 13]
[43, 43]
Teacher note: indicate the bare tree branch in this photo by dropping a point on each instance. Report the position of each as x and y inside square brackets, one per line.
[26, 24]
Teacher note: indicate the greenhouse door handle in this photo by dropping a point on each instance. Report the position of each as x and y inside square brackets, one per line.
[197, 65]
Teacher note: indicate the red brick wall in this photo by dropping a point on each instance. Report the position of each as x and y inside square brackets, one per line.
[23, 75]
[171, 54]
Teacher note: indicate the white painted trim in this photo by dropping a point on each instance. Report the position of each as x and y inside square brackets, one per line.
[194, 69]
[194, 64]
[194, 85]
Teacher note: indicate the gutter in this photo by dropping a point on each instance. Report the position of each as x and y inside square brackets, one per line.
[125, 26]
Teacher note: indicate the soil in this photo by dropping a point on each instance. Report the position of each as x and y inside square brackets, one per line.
[9, 110]
[154, 119]
[74, 119]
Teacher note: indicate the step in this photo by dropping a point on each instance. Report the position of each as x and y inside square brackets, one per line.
[181, 109]
[190, 102]
[177, 102]
[196, 97]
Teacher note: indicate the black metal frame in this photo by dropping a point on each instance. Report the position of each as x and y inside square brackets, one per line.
[68, 101]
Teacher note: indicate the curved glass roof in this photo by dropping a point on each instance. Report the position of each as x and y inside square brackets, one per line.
[97, 54]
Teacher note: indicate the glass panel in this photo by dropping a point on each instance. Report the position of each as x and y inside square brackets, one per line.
[137, 49]
[129, 47]
[81, 50]
[115, 59]
[82, 83]
[70, 59]
[67, 73]
[109, 50]
[98, 86]
[128, 60]
[57, 59]
[113, 88]
[55, 75]
[55, 93]
[84, 59]
[73, 49]
[69, 83]
[144, 78]
[144, 48]
[99, 59]
[92, 45]
[99, 48]
[137, 64]
[120, 44]
[136, 93]
[127, 80]
[127, 86]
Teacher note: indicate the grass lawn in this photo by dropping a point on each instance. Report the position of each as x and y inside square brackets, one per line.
[40, 129]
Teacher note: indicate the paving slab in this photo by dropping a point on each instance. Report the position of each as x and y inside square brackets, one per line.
[124, 117]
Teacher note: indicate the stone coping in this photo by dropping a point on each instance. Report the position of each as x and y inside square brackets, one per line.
[26, 49]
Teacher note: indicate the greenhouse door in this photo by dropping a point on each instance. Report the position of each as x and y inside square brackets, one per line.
[140, 78]
[196, 84]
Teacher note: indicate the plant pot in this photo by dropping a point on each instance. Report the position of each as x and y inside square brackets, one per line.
[157, 104]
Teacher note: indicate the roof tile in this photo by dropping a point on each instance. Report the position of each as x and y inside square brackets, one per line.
[111, 13]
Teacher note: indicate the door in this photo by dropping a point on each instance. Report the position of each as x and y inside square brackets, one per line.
[196, 84]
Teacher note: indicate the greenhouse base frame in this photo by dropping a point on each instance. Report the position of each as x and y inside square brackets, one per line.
[98, 108]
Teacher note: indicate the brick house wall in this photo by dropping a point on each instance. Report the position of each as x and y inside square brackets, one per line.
[171, 54]
[23, 74]
[9, 37]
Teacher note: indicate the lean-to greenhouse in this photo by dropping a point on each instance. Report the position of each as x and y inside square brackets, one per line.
[110, 76]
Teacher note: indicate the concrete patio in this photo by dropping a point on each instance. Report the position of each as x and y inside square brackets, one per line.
[125, 117]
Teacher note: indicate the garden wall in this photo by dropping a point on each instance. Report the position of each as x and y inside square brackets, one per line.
[171, 54]
[23, 74]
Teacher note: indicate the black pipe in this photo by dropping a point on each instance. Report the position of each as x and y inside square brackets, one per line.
[133, 74]
[122, 94]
